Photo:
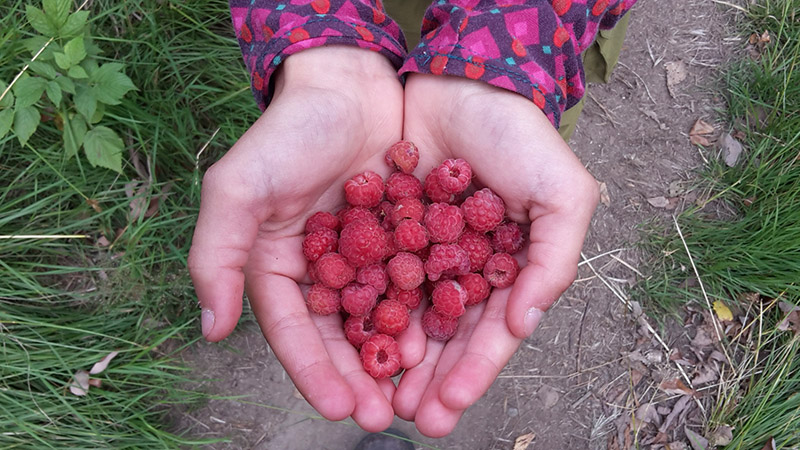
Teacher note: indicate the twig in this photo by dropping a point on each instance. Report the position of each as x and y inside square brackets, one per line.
[646, 89]
[43, 236]
[627, 265]
[609, 116]
[580, 336]
[202, 149]
[586, 261]
[731, 5]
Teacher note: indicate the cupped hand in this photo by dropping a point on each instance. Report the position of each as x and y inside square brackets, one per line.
[514, 150]
[334, 113]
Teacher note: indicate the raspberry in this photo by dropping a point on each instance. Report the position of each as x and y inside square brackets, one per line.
[364, 189]
[411, 298]
[320, 242]
[454, 175]
[410, 236]
[478, 248]
[363, 242]
[408, 208]
[476, 286]
[359, 299]
[434, 190]
[446, 259]
[507, 238]
[403, 155]
[354, 214]
[312, 272]
[501, 270]
[390, 317]
[358, 329]
[322, 220]
[448, 298]
[484, 210]
[334, 271]
[374, 275]
[402, 185]
[323, 300]
[383, 213]
[406, 271]
[380, 356]
[444, 223]
[437, 326]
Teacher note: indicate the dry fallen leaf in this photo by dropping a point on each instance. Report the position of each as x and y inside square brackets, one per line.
[723, 312]
[658, 202]
[677, 445]
[699, 134]
[769, 445]
[522, 442]
[792, 319]
[648, 413]
[604, 197]
[94, 204]
[722, 435]
[676, 73]
[731, 149]
[698, 442]
[80, 383]
[101, 365]
[675, 386]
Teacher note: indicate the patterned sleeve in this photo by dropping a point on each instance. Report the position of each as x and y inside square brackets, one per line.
[270, 31]
[531, 47]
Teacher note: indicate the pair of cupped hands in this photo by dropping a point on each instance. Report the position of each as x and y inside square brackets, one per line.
[334, 113]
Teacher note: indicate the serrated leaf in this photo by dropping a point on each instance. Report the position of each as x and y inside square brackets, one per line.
[39, 21]
[26, 120]
[6, 120]
[8, 100]
[75, 50]
[103, 148]
[44, 69]
[62, 60]
[66, 83]
[98, 113]
[85, 102]
[110, 84]
[29, 90]
[723, 312]
[77, 72]
[56, 11]
[74, 24]
[53, 92]
[74, 133]
[36, 45]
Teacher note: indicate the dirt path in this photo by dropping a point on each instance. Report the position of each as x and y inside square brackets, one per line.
[564, 382]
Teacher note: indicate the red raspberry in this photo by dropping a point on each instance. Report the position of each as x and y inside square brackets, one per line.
[322, 220]
[446, 259]
[323, 300]
[478, 248]
[402, 185]
[406, 271]
[354, 214]
[390, 317]
[403, 155]
[380, 356]
[320, 242]
[363, 242]
[312, 272]
[444, 223]
[501, 270]
[507, 238]
[408, 208]
[358, 329]
[476, 286]
[438, 326]
[384, 215]
[364, 189]
[448, 298]
[411, 298]
[454, 175]
[359, 299]
[410, 236]
[390, 248]
[334, 271]
[483, 210]
[374, 275]
[434, 190]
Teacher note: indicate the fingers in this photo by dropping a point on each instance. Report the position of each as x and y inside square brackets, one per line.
[415, 381]
[413, 339]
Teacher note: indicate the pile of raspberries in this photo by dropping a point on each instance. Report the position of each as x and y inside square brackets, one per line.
[402, 240]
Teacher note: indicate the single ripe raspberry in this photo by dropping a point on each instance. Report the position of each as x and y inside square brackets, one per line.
[320, 242]
[390, 317]
[507, 238]
[483, 210]
[358, 329]
[408, 208]
[446, 259]
[374, 275]
[437, 326]
[478, 248]
[403, 155]
[411, 299]
[444, 223]
[390, 248]
[363, 242]
[406, 271]
[501, 270]
[410, 236]
[402, 185]
[359, 299]
[323, 300]
[334, 271]
[454, 175]
[354, 214]
[434, 190]
[322, 220]
[364, 189]
[380, 356]
[477, 288]
[448, 298]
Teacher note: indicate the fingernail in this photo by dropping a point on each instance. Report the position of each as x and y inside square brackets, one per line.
[207, 321]
[532, 318]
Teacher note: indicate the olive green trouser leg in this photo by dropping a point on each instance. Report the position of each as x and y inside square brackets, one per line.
[408, 14]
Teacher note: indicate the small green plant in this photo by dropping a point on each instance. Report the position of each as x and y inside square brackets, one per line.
[64, 65]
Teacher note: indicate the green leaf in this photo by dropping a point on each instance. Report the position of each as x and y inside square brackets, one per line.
[109, 84]
[62, 60]
[66, 83]
[26, 120]
[103, 148]
[44, 69]
[75, 50]
[6, 119]
[36, 43]
[74, 133]
[53, 92]
[74, 24]
[8, 100]
[39, 21]
[56, 11]
[29, 90]
[85, 101]
[98, 113]
[77, 72]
